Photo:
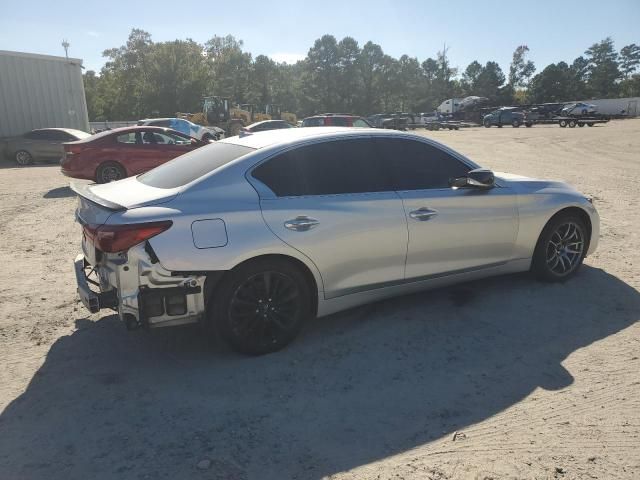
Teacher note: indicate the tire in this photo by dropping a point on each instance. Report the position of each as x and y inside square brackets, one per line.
[244, 309]
[590, 124]
[110, 172]
[580, 124]
[566, 233]
[572, 123]
[207, 137]
[487, 124]
[562, 123]
[515, 124]
[499, 125]
[23, 158]
[528, 124]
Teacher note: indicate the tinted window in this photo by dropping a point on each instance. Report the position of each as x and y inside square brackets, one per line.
[340, 122]
[358, 122]
[160, 123]
[191, 166]
[313, 122]
[35, 135]
[417, 166]
[338, 167]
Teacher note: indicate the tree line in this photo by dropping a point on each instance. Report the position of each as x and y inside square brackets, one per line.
[145, 78]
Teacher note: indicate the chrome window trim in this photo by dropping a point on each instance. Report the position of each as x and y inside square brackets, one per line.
[265, 193]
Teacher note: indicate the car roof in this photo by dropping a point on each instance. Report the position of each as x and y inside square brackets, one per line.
[162, 119]
[289, 135]
[265, 122]
[68, 130]
[137, 128]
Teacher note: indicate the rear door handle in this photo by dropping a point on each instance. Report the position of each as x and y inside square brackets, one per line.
[301, 223]
[423, 214]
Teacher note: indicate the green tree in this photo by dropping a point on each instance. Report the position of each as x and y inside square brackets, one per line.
[349, 81]
[489, 81]
[521, 69]
[370, 63]
[322, 68]
[603, 70]
[553, 84]
[629, 59]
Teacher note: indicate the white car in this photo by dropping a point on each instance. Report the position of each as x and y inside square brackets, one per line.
[185, 126]
[579, 109]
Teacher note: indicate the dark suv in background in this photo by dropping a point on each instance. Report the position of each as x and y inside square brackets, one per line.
[335, 120]
[505, 116]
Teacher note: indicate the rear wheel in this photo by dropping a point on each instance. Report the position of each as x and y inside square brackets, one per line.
[515, 123]
[590, 124]
[562, 123]
[561, 248]
[580, 124]
[110, 172]
[572, 123]
[23, 158]
[528, 124]
[487, 124]
[262, 307]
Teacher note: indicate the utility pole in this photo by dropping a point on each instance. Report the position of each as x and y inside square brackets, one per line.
[66, 46]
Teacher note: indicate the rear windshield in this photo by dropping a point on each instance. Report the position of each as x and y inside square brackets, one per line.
[193, 165]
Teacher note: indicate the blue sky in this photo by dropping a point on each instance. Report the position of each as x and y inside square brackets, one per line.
[285, 30]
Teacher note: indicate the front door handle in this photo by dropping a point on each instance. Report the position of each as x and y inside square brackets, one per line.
[423, 214]
[301, 223]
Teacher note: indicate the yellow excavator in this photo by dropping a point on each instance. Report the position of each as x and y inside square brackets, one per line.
[217, 112]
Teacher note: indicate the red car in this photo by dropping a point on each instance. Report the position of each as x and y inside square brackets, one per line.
[123, 152]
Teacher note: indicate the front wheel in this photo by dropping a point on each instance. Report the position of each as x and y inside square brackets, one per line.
[515, 124]
[110, 172]
[487, 124]
[23, 158]
[561, 248]
[262, 307]
[528, 124]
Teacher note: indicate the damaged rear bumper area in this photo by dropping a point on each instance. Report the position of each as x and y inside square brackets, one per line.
[137, 287]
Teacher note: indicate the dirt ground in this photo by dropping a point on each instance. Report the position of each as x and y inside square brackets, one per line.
[498, 379]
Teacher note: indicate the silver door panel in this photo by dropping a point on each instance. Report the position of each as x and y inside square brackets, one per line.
[452, 230]
[356, 240]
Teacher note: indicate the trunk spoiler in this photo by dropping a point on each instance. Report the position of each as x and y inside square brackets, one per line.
[84, 190]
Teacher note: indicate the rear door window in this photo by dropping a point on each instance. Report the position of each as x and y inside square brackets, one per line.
[327, 168]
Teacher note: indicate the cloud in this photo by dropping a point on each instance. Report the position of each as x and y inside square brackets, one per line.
[91, 33]
[290, 58]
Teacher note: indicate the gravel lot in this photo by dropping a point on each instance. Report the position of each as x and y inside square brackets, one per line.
[505, 378]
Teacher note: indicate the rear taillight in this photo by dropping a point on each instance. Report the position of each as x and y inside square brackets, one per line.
[119, 238]
[69, 151]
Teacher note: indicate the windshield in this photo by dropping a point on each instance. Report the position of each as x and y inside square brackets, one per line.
[193, 165]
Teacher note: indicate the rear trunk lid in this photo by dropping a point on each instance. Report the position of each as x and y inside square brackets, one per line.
[96, 203]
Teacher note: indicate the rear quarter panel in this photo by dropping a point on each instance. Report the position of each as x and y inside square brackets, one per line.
[229, 198]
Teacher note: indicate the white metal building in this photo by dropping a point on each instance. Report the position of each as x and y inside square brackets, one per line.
[39, 91]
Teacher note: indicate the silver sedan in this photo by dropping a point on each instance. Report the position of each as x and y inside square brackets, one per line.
[254, 234]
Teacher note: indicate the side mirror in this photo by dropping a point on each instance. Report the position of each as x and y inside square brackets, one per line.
[478, 178]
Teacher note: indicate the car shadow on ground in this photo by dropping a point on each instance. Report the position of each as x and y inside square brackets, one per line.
[59, 192]
[355, 388]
